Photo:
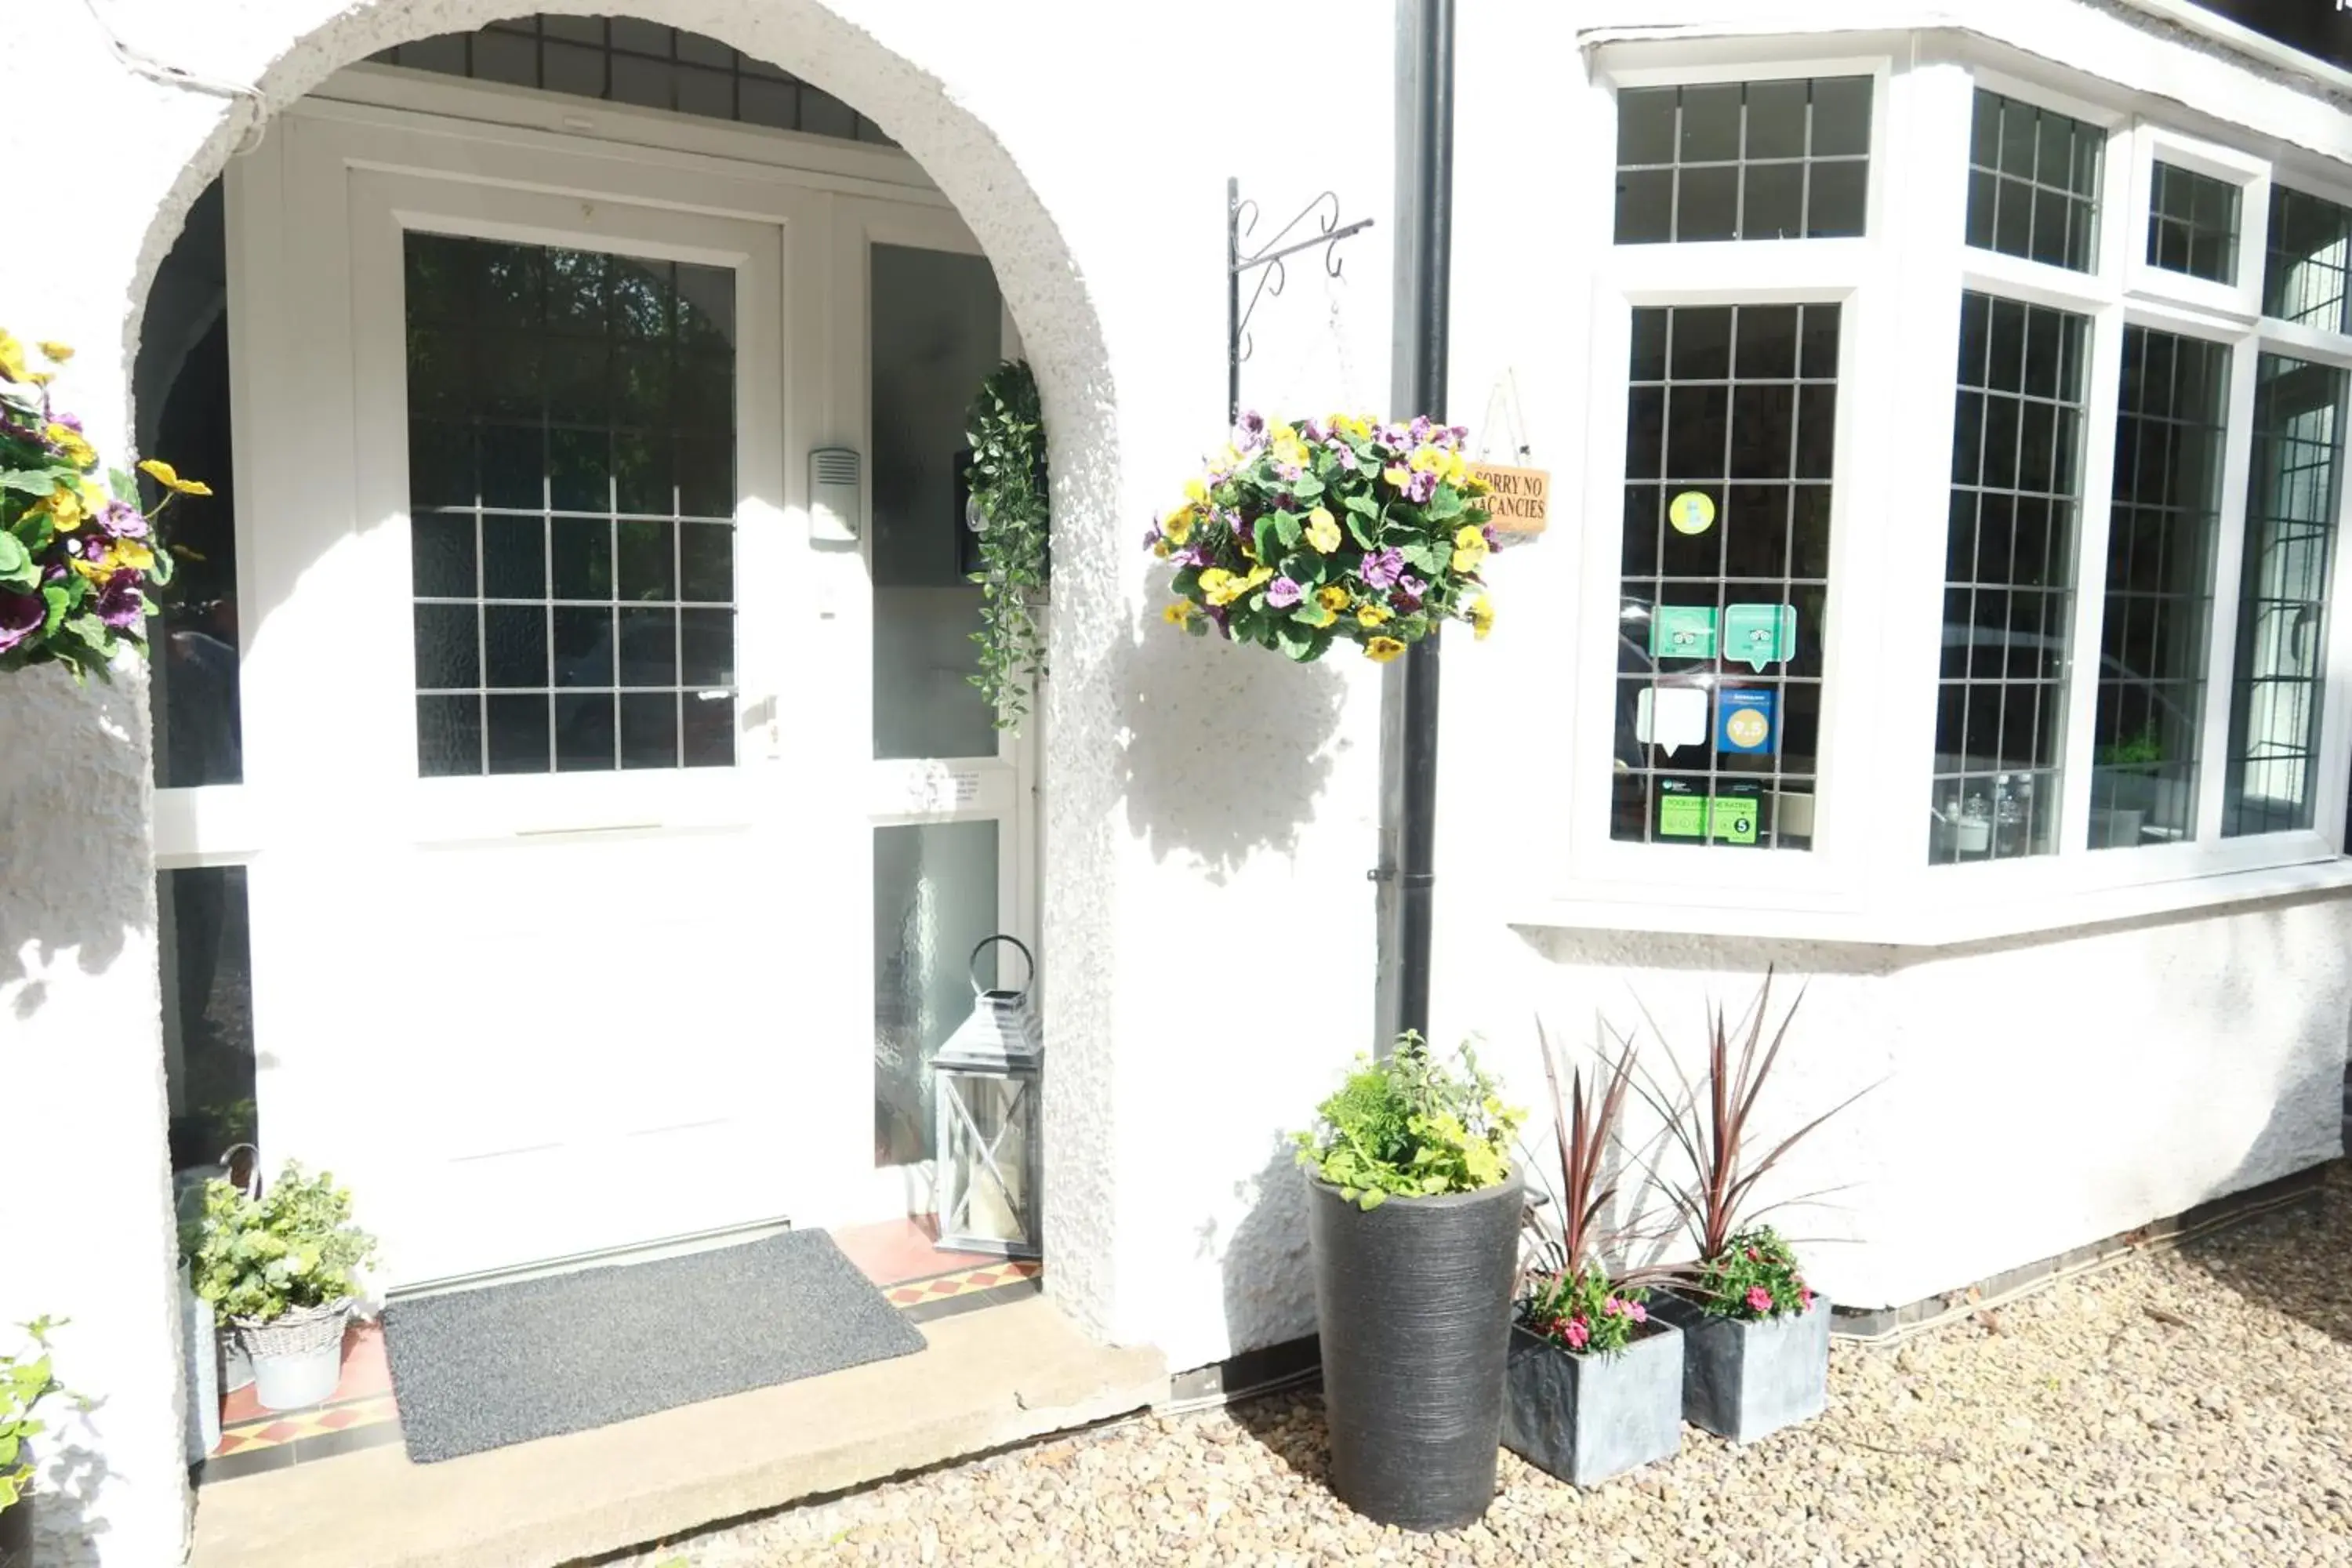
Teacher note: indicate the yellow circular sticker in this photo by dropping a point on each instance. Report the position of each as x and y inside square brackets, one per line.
[1691, 512]
[1747, 727]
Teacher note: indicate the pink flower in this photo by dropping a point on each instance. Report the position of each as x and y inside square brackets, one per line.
[1578, 1334]
[1759, 1300]
[1807, 1292]
[1613, 1306]
[1641, 1313]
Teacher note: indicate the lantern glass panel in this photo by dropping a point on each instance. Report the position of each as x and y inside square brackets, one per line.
[986, 1172]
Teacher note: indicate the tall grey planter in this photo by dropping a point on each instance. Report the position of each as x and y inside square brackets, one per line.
[1586, 1418]
[1748, 1380]
[1414, 1303]
[16, 1533]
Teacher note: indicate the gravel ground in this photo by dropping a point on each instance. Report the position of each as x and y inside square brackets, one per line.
[2192, 1407]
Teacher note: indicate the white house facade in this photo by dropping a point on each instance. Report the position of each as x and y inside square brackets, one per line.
[559, 808]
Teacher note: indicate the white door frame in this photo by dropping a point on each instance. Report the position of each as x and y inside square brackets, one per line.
[318, 393]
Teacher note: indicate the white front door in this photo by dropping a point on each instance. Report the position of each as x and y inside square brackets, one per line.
[623, 833]
[533, 913]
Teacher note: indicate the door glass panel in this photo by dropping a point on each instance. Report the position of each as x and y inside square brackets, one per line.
[934, 900]
[571, 460]
[207, 1012]
[937, 327]
[182, 388]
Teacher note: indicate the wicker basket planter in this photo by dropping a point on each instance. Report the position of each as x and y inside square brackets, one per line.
[297, 1359]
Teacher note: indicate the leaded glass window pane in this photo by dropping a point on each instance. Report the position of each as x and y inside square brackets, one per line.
[2034, 182]
[2292, 496]
[2192, 224]
[2310, 253]
[571, 499]
[2171, 410]
[2008, 580]
[1760, 159]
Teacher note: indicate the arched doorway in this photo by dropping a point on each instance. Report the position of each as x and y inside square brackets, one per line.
[422, 778]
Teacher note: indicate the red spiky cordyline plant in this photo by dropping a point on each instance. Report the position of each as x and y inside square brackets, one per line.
[1709, 1123]
[1584, 1124]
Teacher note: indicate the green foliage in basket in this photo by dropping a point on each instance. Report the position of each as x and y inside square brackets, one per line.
[1410, 1125]
[257, 1260]
[1007, 431]
[26, 1380]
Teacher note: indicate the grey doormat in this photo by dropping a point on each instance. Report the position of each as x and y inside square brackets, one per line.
[504, 1363]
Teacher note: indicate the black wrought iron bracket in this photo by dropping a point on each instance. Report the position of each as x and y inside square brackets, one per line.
[1267, 261]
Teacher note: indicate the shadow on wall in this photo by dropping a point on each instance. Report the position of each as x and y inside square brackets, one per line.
[1227, 748]
[1269, 1277]
[65, 1525]
[70, 868]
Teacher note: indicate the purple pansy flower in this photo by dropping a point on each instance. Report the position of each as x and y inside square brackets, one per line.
[1493, 539]
[1383, 567]
[120, 605]
[1316, 430]
[1389, 437]
[1217, 613]
[21, 616]
[1282, 593]
[1249, 431]
[1344, 454]
[1421, 487]
[1198, 555]
[1409, 590]
[68, 420]
[1418, 429]
[121, 522]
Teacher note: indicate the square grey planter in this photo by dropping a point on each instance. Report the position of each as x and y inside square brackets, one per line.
[1585, 1418]
[1748, 1380]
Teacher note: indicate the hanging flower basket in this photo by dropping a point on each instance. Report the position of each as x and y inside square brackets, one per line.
[1337, 530]
[77, 557]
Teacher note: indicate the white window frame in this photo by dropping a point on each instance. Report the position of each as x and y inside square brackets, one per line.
[1867, 876]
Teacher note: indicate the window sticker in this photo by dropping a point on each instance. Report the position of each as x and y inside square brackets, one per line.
[1691, 512]
[1682, 810]
[1670, 716]
[1682, 631]
[1731, 818]
[1758, 634]
[1744, 723]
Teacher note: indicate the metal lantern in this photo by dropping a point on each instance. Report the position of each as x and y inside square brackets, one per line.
[987, 1081]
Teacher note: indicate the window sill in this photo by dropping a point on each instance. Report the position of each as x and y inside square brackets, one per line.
[1924, 921]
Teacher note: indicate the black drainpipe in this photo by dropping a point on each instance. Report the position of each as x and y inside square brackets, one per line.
[1425, 163]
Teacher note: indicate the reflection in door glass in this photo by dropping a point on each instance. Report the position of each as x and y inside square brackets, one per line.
[207, 1012]
[937, 328]
[571, 496]
[934, 900]
[181, 386]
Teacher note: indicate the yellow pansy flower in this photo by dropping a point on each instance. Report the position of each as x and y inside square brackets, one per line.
[1355, 426]
[1482, 615]
[1333, 598]
[1177, 524]
[1473, 484]
[68, 440]
[1323, 530]
[1160, 547]
[65, 508]
[54, 351]
[1370, 615]
[1258, 574]
[1289, 450]
[1196, 490]
[1456, 470]
[1397, 475]
[1218, 585]
[1427, 459]
[12, 357]
[1178, 613]
[1315, 615]
[1470, 548]
[1379, 650]
[163, 474]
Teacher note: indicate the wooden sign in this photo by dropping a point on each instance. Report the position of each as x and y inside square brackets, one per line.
[1519, 504]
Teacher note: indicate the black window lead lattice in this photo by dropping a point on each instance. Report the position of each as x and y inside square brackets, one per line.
[2008, 580]
[2034, 182]
[1730, 445]
[2192, 224]
[623, 61]
[1757, 160]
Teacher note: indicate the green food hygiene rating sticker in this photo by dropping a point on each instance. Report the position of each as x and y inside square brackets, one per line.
[1685, 811]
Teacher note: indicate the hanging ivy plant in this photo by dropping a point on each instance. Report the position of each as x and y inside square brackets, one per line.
[1007, 432]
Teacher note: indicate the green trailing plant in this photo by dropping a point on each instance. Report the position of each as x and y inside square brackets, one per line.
[1573, 1299]
[1007, 431]
[2141, 750]
[27, 1381]
[293, 1247]
[1708, 1123]
[1409, 1125]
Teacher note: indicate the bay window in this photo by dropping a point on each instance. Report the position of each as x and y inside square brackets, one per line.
[2091, 614]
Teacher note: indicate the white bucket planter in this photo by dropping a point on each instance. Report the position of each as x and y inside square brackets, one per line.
[297, 1359]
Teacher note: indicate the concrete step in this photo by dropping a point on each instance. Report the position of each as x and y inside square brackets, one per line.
[991, 1377]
